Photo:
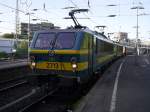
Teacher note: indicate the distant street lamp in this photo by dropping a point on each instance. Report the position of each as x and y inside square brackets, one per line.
[69, 7]
[29, 32]
[40, 20]
[77, 18]
[35, 9]
[111, 5]
[111, 16]
[36, 19]
[137, 27]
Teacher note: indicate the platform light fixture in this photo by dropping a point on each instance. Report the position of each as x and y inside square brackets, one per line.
[111, 15]
[137, 26]
[29, 14]
[111, 5]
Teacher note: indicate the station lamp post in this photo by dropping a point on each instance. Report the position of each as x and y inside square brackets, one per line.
[28, 30]
[137, 26]
[44, 20]
[36, 19]
[29, 14]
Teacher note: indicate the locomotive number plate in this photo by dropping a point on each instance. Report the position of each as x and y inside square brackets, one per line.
[52, 65]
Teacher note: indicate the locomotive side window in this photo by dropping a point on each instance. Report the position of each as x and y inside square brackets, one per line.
[65, 40]
[45, 40]
[99, 46]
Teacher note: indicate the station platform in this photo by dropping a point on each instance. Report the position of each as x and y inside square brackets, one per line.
[5, 64]
[13, 69]
[124, 87]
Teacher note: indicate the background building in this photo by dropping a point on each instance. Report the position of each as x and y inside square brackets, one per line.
[35, 27]
[121, 36]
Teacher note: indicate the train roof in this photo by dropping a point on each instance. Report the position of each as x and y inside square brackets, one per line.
[74, 30]
[64, 30]
[96, 34]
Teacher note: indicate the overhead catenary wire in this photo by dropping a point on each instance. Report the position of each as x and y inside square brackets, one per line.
[2, 4]
[25, 12]
[47, 11]
[34, 16]
[84, 13]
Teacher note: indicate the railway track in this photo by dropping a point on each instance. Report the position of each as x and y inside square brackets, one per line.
[12, 83]
[26, 101]
[22, 97]
[20, 93]
[30, 106]
[12, 86]
[49, 103]
[60, 99]
[13, 90]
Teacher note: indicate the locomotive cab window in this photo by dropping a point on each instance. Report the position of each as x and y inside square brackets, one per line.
[45, 41]
[63, 40]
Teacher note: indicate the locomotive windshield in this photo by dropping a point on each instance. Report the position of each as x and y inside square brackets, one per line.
[45, 40]
[63, 40]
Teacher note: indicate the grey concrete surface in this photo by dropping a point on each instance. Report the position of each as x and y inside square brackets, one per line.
[133, 89]
[14, 63]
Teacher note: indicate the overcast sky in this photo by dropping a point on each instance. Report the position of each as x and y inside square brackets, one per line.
[53, 11]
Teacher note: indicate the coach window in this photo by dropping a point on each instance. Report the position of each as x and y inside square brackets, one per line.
[96, 50]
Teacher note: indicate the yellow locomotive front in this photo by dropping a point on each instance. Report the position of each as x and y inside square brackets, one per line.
[57, 53]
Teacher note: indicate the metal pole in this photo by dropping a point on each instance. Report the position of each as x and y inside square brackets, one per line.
[28, 36]
[137, 34]
[17, 19]
[147, 50]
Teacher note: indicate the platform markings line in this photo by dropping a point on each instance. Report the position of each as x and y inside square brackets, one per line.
[114, 94]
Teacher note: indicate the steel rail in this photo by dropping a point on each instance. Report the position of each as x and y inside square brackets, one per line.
[40, 99]
[13, 86]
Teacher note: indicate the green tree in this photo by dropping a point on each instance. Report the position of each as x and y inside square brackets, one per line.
[8, 35]
[21, 49]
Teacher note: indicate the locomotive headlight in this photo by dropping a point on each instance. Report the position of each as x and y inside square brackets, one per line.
[33, 64]
[74, 65]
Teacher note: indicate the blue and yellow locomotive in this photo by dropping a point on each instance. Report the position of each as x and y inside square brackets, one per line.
[75, 54]
[71, 53]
